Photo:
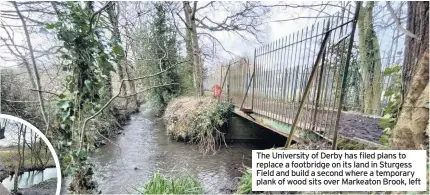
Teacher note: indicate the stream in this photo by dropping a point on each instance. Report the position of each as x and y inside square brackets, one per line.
[126, 163]
[30, 178]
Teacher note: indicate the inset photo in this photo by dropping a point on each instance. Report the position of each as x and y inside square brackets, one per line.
[28, 163]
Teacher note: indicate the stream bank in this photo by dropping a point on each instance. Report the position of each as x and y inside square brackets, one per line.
[34, 182]
[129, 160]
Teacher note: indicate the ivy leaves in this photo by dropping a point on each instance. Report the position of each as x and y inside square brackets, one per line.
[88, 64]
[393, 93]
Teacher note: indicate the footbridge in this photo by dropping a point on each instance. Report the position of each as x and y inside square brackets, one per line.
[297, 86]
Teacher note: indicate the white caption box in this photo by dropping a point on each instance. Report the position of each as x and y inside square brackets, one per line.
[338, 170]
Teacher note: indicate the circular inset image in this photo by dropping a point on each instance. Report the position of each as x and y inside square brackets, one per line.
[28, 162]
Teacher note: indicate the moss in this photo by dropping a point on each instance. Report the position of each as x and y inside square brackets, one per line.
[349, 144]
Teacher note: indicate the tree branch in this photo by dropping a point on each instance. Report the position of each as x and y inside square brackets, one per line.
[33, 60]
[398, 24]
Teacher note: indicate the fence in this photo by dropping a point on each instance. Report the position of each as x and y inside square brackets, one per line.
[274, 84]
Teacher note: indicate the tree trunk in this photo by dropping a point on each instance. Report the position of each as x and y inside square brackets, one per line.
[131, 83]
[197, 60]
[418, 24]
[23, 145]
[412, 124]
[36, 73]
[190, 56]
[2, 132]
[132, 87]
[113, 17]
[370, 61]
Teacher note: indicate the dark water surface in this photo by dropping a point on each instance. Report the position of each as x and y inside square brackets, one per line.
[30, 178]
[145, 148]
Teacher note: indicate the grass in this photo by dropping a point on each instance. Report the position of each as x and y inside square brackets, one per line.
[245, 184]
[9, 158]
[158, 184]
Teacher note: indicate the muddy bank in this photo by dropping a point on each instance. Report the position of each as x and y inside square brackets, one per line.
[48, 187]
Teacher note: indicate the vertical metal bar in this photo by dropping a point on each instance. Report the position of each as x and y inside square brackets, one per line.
[222, 87]
[304, 77]
[318, 92]
[326, 75]
[345, 75]
[330, 82]
[318, 88]
[310, 98]
[259, 65]
[293, 128]
[284, 80]
[253, 82]
[272, 63]
[296, 76]
[269, 57]
[259, 79]
[276, 80]
[264, 84]
[313, 120]
[290, 76]
[339, 70]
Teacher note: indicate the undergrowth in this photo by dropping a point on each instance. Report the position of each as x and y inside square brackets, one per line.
[198, 121]
[158, 184]
[9, 159]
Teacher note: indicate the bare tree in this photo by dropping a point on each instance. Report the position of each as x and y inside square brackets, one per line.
[244, 19]
[35, 71]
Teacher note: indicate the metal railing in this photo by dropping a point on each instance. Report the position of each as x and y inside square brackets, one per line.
[275, 83]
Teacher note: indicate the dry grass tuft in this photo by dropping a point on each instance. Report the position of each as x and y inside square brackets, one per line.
[198, 120]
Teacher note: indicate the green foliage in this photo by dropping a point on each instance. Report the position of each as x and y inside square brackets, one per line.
[394, 95]
[158, 184]
[245, 184]
[160, 51]
[88, 65]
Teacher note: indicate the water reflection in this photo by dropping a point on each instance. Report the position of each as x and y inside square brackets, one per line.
[30, 178]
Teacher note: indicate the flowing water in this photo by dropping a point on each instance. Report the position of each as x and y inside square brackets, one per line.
[30, 178]
[144, 148]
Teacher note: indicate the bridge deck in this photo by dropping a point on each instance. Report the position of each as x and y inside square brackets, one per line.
[351, 124]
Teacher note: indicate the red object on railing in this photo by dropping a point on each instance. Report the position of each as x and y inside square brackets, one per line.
[217, 90]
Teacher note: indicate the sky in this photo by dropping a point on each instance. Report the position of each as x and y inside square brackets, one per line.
[271, 31]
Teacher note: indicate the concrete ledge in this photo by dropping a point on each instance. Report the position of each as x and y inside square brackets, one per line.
[275, 126]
